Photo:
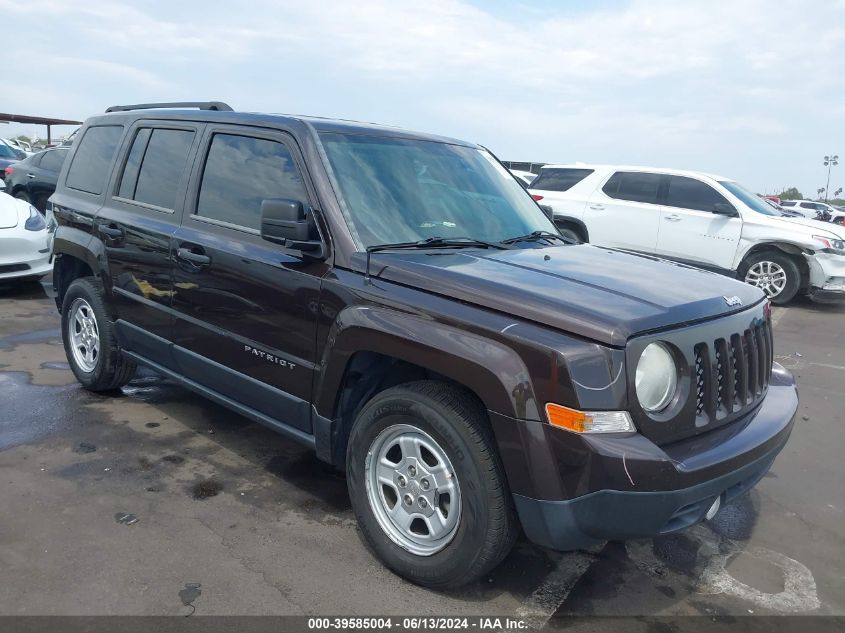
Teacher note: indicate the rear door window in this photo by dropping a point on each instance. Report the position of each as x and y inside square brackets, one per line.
[633, 186]
[555, 179]
[689, 193]
[92, 161]
[155, 166]
[53, 160]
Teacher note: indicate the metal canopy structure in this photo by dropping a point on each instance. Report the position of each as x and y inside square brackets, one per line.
[37, 120]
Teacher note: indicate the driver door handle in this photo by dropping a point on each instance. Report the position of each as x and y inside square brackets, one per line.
[673, 218]
[597, 207]
[195, 258]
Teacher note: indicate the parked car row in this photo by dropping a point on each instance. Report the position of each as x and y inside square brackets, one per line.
[707, 221]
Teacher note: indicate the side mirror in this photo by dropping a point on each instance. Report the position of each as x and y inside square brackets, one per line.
[285, 222]
[550, 213]
[724, 208]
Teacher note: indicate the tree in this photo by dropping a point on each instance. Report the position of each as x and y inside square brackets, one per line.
[820, 191]
[791, 194]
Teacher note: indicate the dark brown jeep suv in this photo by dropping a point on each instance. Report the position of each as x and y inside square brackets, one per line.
[398, 302]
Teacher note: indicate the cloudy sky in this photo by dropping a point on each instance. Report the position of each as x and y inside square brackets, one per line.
[752, 89]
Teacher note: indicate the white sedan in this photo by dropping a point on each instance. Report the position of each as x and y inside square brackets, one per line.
[24, 241]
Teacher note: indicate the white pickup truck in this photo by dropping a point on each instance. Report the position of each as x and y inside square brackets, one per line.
[699, 219]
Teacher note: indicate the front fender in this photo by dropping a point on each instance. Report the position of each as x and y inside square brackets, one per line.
[494, 372]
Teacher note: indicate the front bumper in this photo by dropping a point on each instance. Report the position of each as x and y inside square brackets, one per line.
[827, 277]
[619, 487]
[23, 254]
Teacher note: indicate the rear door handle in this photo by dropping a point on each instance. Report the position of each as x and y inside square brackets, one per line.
[597, 207]
[673, 218]
[30, 175]
[190, 256]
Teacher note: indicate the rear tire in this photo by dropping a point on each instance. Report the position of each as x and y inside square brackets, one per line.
[435, 429]
[775, 273]
[89, 338]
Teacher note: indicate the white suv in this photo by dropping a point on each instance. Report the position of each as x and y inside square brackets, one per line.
[809, 208]
[699, 219]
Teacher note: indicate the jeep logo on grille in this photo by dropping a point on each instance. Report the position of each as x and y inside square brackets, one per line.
[733, 301]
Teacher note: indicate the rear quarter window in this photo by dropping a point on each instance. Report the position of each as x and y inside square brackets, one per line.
[92, 161]
[559, 179]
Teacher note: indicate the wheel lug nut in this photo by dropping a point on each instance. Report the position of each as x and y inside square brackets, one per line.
[401, 481]
[422, 501]
[424, 484]
[412, 470]
[408, 500]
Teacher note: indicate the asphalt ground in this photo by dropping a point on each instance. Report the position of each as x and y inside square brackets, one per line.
[158, 502]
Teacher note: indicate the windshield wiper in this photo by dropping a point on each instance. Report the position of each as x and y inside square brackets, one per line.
[432, 242]
[538, 235]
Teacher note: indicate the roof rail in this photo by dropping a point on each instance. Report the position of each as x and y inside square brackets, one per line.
[202, 105]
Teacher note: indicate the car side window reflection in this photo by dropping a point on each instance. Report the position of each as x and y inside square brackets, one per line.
[240, 172]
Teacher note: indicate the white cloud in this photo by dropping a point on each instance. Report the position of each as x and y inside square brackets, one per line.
[702, 83]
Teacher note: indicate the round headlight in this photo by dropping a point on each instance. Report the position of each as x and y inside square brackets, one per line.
[657, 378]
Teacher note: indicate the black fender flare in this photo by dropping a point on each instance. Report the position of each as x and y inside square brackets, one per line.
[579, 224]
[72, 242]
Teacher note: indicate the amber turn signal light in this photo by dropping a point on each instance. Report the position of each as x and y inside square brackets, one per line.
[589, 421]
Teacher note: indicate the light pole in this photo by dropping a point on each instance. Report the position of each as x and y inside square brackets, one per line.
[829, 161]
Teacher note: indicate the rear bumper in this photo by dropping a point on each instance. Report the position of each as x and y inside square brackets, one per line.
[593, 488]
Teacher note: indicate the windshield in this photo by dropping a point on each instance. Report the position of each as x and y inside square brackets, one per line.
[403, 190]
[751, 200]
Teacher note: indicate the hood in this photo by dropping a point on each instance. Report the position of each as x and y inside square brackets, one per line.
[805, 226]
[601, 294]
[10, 211]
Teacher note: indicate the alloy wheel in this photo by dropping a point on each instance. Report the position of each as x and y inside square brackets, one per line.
[84, 335]
[768, 276]
[413, 489]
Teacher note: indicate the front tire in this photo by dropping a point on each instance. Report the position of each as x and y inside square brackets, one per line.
[89, 339]
[775, 273]
[427, 485]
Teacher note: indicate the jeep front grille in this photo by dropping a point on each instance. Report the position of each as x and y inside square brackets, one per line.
[732, 373]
